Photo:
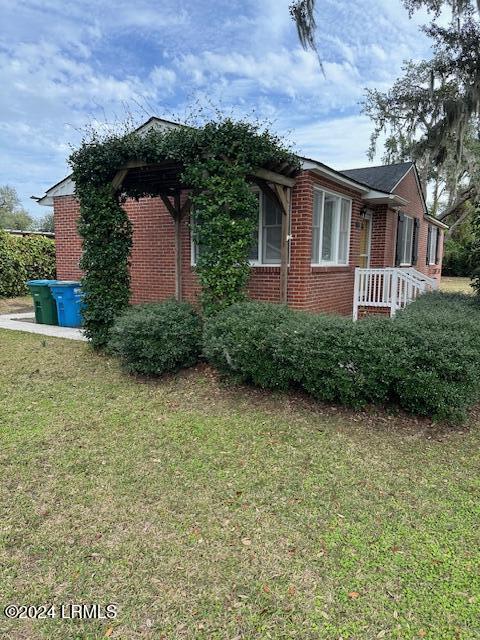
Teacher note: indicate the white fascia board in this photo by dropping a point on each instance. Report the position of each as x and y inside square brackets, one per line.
[437, 222]
[65, 187]
[379, 197]
[309, 165]
[157, 124]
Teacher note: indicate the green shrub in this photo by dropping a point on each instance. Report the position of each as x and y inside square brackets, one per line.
[457, 257]
[437, 371]
[427, 360]
[157, 338]
[239, 338]
[315, 352]
[22, 259]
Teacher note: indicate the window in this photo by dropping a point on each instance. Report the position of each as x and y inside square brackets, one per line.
[267, 238]
[271, 233]
[432, 257]
[331, 228]
[405, 241]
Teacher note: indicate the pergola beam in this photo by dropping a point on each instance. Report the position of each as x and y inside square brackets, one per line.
[274, 178]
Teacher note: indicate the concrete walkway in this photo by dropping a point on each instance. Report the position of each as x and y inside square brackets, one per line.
[26, 322]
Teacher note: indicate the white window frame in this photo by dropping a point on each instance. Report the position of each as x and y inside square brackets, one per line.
[253, 263]
[335, 262]
[409, 263]
[432, 248]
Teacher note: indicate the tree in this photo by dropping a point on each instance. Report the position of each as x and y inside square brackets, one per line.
[46, 223]
[12, 214]
[452, 78]
[303, 14]
[410, 115]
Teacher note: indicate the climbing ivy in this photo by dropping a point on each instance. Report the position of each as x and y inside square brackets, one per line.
[217, 160]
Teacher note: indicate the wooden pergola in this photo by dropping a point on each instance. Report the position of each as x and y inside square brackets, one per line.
[164, 180]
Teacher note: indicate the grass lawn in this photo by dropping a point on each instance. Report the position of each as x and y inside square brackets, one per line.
[208, 512]
[451, 285]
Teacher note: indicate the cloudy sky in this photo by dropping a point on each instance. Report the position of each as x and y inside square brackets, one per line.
[65, 65]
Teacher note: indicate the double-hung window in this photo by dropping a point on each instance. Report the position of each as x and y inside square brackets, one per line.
[405, 243]
[331, 228]
[432, 257]
[267, 237]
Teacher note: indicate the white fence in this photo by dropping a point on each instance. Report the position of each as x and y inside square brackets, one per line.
[391, 288]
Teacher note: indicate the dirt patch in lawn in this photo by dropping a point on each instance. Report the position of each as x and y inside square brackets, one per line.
[16, 305]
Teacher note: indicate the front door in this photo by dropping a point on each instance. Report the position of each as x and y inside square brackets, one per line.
[365, 242]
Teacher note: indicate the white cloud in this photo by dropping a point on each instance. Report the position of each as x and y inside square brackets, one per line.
[64, 65]
[163, 79]
[339, 142]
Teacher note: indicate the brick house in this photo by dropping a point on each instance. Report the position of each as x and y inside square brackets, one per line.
[358, 241]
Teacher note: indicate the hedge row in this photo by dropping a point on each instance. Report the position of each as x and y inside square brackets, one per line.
[22, 259]
[426, 360]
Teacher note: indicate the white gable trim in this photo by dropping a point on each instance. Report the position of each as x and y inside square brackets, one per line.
[65, 187]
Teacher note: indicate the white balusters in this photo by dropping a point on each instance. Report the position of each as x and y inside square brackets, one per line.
[390, 288]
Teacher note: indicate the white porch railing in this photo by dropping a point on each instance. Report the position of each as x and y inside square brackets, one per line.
[392, 288]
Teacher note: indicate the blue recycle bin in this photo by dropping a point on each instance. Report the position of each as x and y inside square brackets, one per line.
[68, 296]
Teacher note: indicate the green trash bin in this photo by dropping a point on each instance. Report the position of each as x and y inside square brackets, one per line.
[44, 302]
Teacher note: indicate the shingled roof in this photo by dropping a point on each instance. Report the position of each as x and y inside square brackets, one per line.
[384, 178]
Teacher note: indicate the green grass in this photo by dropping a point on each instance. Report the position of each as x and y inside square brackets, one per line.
[208, 512]
[452, 285]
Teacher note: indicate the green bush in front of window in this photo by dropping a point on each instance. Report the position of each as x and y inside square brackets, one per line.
[157, 338]
[426, 360]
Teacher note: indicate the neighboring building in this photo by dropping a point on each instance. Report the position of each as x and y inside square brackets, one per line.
[19, 232]
[373, 219]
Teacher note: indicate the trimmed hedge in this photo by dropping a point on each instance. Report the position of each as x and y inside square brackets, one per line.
[427, 360]
[239, 341]
[157, 338]
[22, 259]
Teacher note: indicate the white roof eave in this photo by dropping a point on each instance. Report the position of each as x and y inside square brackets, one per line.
[65, 187]
[310, 165]
[437, 222]
[379, 197]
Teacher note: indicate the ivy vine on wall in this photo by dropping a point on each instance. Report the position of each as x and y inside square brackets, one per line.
[217, 160]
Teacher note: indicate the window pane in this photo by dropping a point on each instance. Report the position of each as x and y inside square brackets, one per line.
[317, 207]
[343, 235]
[317, 215]
[253, 255]
[273, 214]
[328, 227]
[271, 244]
[432, 258]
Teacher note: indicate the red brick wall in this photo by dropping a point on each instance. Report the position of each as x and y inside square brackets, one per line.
[68, 246]
[317, 289]
[153, 262]
[408, 189]
[320, 289]
[384, 231]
